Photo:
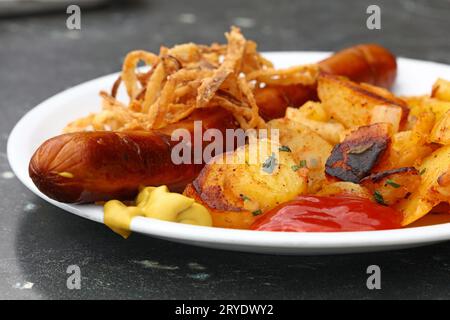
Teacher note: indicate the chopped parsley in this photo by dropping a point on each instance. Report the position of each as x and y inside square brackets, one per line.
[269, 165]
[392, 184]
[285, 149]
[422, 171]
[302, 164]
[244, 197]
[379, 198]
[257, 212]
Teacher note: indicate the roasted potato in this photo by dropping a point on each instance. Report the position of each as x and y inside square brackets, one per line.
[307, 147]
[384, 93]
[345, 188]
[236, 219]
[441, 90]
[350, 103]
[356, 156]
[420, 104]
[434, 187]
[313, 116]
[389, 187]
[441, 130]
[387, 114]
[408, 148]
[312, 110]
[235, 188]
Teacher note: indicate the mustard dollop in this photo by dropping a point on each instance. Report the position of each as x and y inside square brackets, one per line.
[158, 203]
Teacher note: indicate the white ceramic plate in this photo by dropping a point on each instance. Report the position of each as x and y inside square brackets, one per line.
[49, 118]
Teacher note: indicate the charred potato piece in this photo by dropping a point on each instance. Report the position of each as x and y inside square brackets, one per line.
[307, 147]
[434, 188]
[346, 188]
[441, 90]
[351, 103]
[391, 186]
[355, 157]
[239, 186]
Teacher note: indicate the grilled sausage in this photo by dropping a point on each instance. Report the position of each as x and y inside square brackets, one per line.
[85, 167]
[367, 63]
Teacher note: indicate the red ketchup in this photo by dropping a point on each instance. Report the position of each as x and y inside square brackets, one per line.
[329, 214]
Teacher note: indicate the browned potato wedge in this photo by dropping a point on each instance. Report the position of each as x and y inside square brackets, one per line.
[382, 92]
[389, 187]
[307, 147]
[239, 186]
[345, 188]
[421, 104]
[351, 103]
[387, 114]
[355, 157]
[441, 90]
[311, 110]
[434, 188]
[313, 116]
[441, 130]
[408, 148]
[236, 219]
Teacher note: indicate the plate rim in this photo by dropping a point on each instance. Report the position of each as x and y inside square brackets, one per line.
[230, 237]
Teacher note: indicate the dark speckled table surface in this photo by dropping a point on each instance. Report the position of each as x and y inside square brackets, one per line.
[40, 57]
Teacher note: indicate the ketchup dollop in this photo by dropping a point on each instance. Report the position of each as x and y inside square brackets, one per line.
[329, 214]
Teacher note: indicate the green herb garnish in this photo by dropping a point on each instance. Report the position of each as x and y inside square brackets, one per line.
[393, 184]
[422, 171]
[379, 198]
[244, 197]
[257, 212]
[285, 149]
[302, 164]
[269, 165]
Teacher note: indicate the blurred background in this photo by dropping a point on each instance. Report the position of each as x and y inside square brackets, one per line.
[40, 56]
[35, 44]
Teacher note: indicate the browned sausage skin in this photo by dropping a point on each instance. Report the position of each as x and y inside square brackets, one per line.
[368, 63]
[93, 166]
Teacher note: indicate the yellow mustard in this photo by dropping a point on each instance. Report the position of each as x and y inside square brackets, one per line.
[158, 203]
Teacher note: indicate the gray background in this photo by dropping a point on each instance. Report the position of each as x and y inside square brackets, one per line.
[40, 57]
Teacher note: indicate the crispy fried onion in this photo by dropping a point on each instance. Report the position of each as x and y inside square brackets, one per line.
[187, 77]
